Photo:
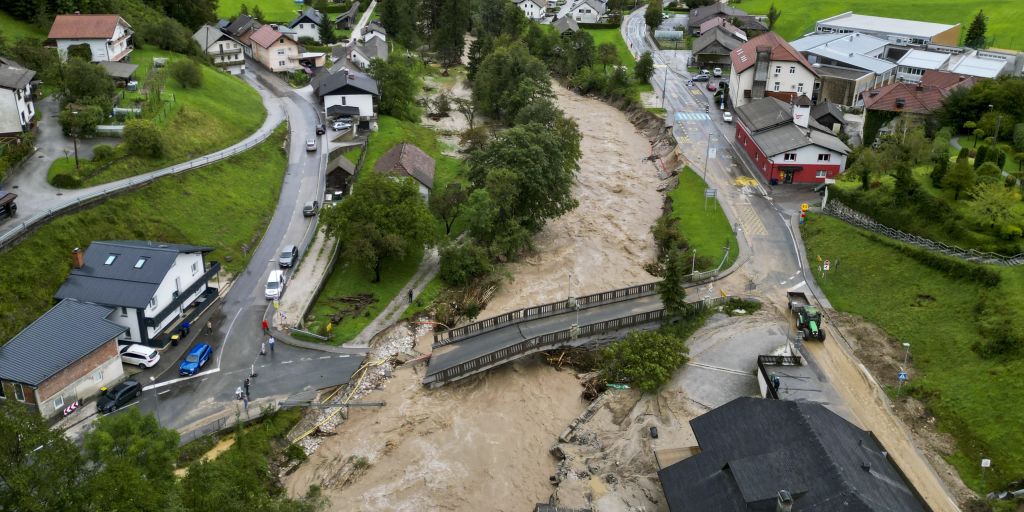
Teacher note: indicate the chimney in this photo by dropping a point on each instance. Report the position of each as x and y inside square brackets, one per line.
[77, 258]
[801, 110]
[784, 502]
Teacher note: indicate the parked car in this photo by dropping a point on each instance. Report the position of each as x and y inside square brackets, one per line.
[664, 16]
[341, 125]
[275, 285]
[289, 255]
[119, 395]
[727, 116]
[702, 77]
[705, 72]
[309, 209]
[196, 358]
[717, 72]
[310, 144]
[321, 129]
[712, 87]
[140, 355]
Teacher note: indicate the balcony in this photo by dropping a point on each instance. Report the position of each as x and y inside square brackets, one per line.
[180, 297]
[224, 53]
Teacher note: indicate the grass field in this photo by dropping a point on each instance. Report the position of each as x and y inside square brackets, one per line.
[222, 112]
[273, 10]
[706, 230]
[12, 29]
[799, 16]
[977, 400]
[225, 206]
[614, 36]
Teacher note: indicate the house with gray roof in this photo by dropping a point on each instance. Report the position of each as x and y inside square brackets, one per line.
[362, 53]
[147, 285]
[66, 355]
[226, 52]
[713, 47]
[374, 29]
[583, 11]
[17, 111]
[785, 142]
[347, 93]
[408, 160]
[345, 20]
[565, 24]
[307, 24]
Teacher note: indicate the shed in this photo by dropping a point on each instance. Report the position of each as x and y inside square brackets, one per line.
[408, 160]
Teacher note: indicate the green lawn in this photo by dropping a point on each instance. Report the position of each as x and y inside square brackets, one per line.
[977, 400]
[273, 10]
[425, 299]
[12, 28]
[225, 206]
[612, 35]
[222, 112]
[393, 131]
[799, 16]
[706, 230]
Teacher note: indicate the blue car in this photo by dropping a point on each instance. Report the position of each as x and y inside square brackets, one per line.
[196, 358]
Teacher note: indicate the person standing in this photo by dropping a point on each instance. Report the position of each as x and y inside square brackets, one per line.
[266, 327]
[246, 384]
[186, 326]
[271, 343]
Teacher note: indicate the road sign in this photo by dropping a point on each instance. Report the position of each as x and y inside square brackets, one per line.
[986, 463]
[804, 207]
[710, 192]
[71, 408]
[902, 376]
[827, 264]
[712, 152]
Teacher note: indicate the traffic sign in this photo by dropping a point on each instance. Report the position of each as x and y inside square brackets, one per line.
[804, 207]
[827, 264]
[902, 376]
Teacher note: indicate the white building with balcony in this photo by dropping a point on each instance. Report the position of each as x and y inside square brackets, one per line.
[16, 108]
[225, 51]
[108, 37]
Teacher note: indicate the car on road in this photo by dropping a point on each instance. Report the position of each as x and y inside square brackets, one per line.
[712, 87]
[321, 129]
[112, 399]
[275, 285]
[310, 144]
[717, 72]
[727, 116]
[140, 355]
[341, 125]
[664, 16]
[196, 358]
[701, 77]
[289, 255]
[309, 209]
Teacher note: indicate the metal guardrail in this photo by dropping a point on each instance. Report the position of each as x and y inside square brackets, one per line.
[851, 216]
[554, 340]
[131, 183]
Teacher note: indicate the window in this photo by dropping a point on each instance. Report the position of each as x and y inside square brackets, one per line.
[97, 376]
[280, 63]
[778, 69]
[280, 52]
[777, 86]
[799, 87]
[19, 392]
[344, 100]
[824, 157]
[110, 259]
[789, 157]
[141, 262]
[58, 403]
[195, 267]
[821, 174]
[124, 311]
[3, 394]
[152, 303]
[792, 70]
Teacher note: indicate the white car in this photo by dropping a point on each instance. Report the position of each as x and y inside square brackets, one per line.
[717, 72]
[341, 125]
[140, 355]
[275, 284]
[310, 144]
[727, 116]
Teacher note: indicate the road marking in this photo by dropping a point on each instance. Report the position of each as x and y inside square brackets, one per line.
[324, 357]
[720, 369]
[306, 359]
[750, 220]
[343, 355]
[792, 236]
[287, 362]
[797, 286]
[183, 379]
[164, 392]
[227, 335]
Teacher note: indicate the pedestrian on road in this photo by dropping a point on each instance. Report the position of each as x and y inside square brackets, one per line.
[186, 326]
[410, 295]
[246, 384]
[238, 393]
[209, 328]
[266, 327]
[263, 348]
[271, 343]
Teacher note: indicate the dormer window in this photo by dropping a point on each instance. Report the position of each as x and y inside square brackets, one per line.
[110, 259]
[141, 262]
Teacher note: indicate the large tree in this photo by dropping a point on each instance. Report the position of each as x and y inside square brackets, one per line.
[500, 17]
[653, 15]
[670, 288]
[449, 38]
[960, 178]
[191, 13]
[774, 14]
[645, 359]
[84, 82]
[446, 203]
[385, 218]
[398, 87]
[508, 79]
[399, 19]
[644, 69]
[607, 54]
[975, 37]
[994, 206]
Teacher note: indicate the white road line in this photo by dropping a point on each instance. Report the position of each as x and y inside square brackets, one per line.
[792, 237]
[343, 355]
[164, 392]
[227, 335]
[324, 357]
[175, 381]
[797, 286]
[720, 369]
[287, 362]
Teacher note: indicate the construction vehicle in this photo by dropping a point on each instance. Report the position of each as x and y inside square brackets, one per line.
[808, 317]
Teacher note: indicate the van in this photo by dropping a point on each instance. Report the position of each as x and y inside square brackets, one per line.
[275, 284]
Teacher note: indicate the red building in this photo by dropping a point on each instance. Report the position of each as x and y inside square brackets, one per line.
[786, 144]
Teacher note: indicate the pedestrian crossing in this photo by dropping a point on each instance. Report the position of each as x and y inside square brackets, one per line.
[692, 116]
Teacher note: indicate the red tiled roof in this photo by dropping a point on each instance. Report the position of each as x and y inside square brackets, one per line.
[265, 36]
[915, 99]
[745, 56]
[945, 80]
[84, 26]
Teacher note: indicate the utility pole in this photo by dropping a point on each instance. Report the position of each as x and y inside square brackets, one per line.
[707, 157]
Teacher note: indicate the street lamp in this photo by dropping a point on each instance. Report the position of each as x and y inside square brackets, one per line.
[906, 353]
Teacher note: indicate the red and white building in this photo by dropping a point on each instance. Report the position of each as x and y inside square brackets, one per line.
[108, 36]
[787, 144]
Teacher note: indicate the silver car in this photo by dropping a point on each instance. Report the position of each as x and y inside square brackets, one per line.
[289, 255]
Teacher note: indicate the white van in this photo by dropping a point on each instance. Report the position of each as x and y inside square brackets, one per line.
[275, 284]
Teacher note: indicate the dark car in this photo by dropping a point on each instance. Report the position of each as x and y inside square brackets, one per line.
[309, 209]
[112, 399]
[196, 358]
[321, 129]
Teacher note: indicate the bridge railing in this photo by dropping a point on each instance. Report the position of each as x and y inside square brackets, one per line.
[554, 340]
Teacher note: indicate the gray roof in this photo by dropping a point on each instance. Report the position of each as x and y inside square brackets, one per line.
[566, 23]
[827, 108]
[374, 25]
[120, 283]
[242, 24]
[751, 448]
[373, 48]
[840, 72]
[770, 122]
[765, 113]
[350, 13]
[716, 35]
[702, 14]
[309, 14]
[121, 70]
[207, 35]
[66, 333]
[345, 82]
[410, 160]
[342, 163]
[15, 77]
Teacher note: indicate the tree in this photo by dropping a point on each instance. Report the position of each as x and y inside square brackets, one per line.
[326, 30]
[187, 73]
[508, 79]
[980, 156]
[866, 166]
[773, 16]
[939, 169]
[500, 17]
[644, 69]
[542, 111]
[645, 359]
[85, 82]
[143, 138]
[447, 204]
[81, 120]
[398, 87]
[461, 264]
[995, 206]
[474, 139]
[1018, 137]
[607, 54]
[449, 37]
[385, 218]
[653, 15]
[257, 13]
[244, 9]
[975, 37]
[40, 469]
[978, 134]
[1020, 161]
[959, 178]
[192, 14]
[467, 108]
[399, 19]
[670, 288]
[988, 172]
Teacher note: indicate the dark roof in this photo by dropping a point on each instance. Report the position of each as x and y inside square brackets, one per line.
[374, 25]
[827, 108]
[84, 26]
[701, 14]
[904, 97]
[342, 163]
[121, 70]
[564, 24]
[746, 55]
[765, 113]
[243, 23]
[120, 283]
[716, 35]
[309, 14]
[66, 333]
[770, 123]
[373, 48]
[350, 14]
[342, 110]
[410, 160]
[15, 77]
[345, 82]
[752, 448]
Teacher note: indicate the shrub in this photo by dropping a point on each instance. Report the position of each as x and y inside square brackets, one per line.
[187, 73]
[461, 264]
[102, 152]
[643, 358]
[66, 181]
[143, 138]
[999, 325]
[1018, 137]
[980, 156]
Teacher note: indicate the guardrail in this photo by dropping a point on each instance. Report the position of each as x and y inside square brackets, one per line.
[130, 183]
[554, 340]
[851, 216]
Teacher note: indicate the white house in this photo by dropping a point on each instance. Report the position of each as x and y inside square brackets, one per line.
[148, 284]
[307, 24]
[275, 50]
[16, 108]
[583, 11]
[533, 9]
[347, 93]
[226, 51]
[374, 29]
[768, 66]
[362, 53]
[108, 36]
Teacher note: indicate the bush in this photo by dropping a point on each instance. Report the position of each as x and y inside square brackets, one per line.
[1018, 137]
[187, 73]
[102, 152]
[461, 264]
[980, 156]
[999, 325]
[143, 138]
[644, 359]
[66, 181]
